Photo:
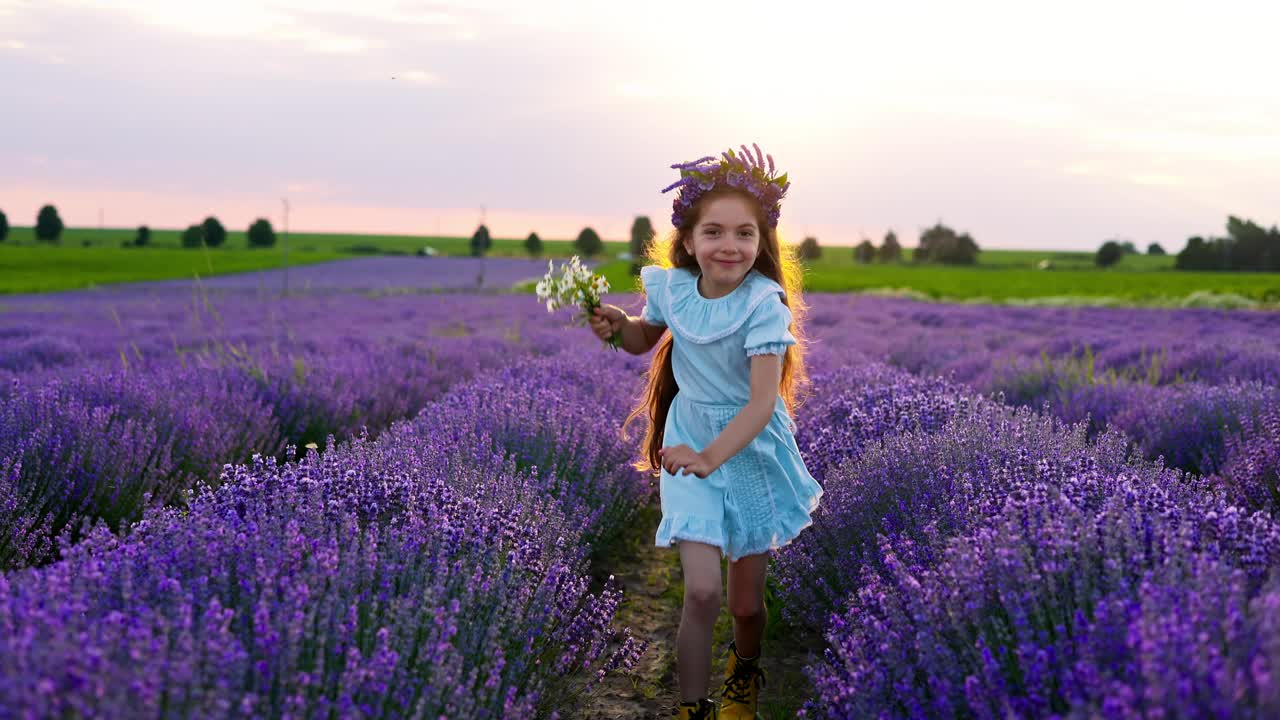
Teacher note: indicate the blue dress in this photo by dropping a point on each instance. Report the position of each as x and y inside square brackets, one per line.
[762, 497]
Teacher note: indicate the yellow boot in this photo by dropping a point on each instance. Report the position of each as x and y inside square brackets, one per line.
[742, 682]
[703, 709]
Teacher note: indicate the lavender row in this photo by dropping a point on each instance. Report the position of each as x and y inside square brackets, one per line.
[1118, 366]
[1180, 382]
[372, 274]
[558, 419]
[112, 404]
[143, 328]
[1191, 426]
[439, 571]
[1251, 474]
[101, 445]
[977, 560]
[992, 348]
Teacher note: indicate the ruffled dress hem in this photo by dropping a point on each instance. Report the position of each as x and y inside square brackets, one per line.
[780, 535]
[682, 526]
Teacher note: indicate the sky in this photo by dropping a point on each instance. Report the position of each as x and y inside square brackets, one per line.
[1024, 124]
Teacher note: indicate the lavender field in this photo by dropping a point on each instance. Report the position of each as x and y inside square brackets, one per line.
[347, 502]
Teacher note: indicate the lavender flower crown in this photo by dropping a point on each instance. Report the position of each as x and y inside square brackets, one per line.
[743, 171]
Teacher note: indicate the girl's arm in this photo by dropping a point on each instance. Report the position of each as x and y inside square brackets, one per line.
[638, 336]
[766, 374]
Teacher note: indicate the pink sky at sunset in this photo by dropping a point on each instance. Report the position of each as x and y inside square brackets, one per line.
[1026, 125]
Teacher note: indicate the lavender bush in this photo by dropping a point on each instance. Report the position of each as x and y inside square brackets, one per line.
[920, 487]
[140, 329]
[151, 395]
[549, 416]
[1252, 475]
[1002, 563]
[1188, 424]
[850, 407]
[100, 446]
[1104, 595]
[96, 445]
[412, 575]
[1178, 381]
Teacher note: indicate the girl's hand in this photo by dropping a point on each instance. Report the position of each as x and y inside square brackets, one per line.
[684, 457]
[606, 321]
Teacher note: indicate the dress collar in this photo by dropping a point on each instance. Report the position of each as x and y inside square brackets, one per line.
[704, 320]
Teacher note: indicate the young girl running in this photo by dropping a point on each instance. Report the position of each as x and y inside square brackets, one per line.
[720, 435]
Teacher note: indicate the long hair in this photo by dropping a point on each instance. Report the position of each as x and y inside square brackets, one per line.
[773, 260]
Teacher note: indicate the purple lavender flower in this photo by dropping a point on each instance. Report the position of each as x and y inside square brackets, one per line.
[1252, 469]
[424, 573]
[733, 170]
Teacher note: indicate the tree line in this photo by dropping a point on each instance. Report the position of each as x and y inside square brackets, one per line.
[588, 243]
[937, 245]
[1247, 246]
[210, 233]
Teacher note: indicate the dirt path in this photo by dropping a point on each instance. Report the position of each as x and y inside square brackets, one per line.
[650, 577]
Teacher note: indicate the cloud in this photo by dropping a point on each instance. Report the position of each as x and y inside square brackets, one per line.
[322, 26]
[314, 189]
[635, 91]
[1160, 179]
[313, 40]
[421, 77]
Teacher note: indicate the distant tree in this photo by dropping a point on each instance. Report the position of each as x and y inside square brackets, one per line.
[1250, 246]
[588, 242]
[1109, 254]
[4, 226]
[1192, 255]
[809, 249]
[1128, 247]
[480, 241]
[261, 234]
[214, 234]
[533, 244]
[642, 234]
[864, 252]
[890, 250]
[1247, 247]
[941, 244]
[143, 237]
[1271, 256]
[48, 225]
[193, 236]
[1155, 249]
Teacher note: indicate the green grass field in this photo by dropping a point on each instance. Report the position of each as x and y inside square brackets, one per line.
[1012, 276]
[29, 269]
[992, 284]
[88, 257]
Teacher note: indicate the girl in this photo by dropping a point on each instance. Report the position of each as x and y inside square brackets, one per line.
[720, 435]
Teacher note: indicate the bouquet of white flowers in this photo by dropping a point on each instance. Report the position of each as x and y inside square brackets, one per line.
[577, 287]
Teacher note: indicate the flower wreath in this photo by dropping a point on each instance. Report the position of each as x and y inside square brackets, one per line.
[744, 171]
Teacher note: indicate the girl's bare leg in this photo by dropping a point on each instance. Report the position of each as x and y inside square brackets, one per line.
[746, 602]
[700, 564]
